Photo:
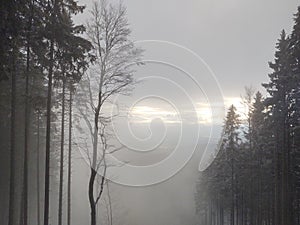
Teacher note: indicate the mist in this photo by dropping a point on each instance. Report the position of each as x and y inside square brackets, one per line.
[150, 112]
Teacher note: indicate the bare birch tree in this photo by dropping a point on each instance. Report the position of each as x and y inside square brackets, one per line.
[112, 73]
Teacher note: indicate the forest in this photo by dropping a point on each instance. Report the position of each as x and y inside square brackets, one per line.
[43, 57]
[46, 59]
[255, 174]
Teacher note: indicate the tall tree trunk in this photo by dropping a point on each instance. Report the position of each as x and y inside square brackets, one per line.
[12, 138]
[70, 157]
[48, 133]
[93, 174]
[27, 118]
[62, 142]
[91, 196]
[277, 182]
[283, 178]
[92, 179]
[38, 170]
[110, 204]
[232, 193]
[21, 218]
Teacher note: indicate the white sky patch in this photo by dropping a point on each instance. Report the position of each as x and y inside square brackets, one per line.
[203, 113]
[146, 114]
[239, 105]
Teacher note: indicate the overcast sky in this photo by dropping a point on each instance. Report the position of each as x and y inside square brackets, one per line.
[206, 51]
[236, 38]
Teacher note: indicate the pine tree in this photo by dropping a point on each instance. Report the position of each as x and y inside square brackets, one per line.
[280, 86]
[62, 37]
[294, 121]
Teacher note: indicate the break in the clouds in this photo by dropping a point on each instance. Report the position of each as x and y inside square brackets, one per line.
[149, 111]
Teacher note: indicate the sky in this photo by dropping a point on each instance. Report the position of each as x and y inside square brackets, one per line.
[206, 51]
[199, 55]
[236, 38]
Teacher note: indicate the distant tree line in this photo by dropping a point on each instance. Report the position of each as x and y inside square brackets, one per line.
[255, 175]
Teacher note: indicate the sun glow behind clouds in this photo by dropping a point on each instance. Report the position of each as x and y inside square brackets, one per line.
[204, 114]
[239, 105]
[146, 112]
[169, 115]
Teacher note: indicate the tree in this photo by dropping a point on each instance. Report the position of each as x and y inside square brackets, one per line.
[60, 34]
[35, 37]
[218, 185]
[70, 156]
[11, 26]
[112, 73]
[29, 10]
[279, 87]
[73, 62]
[230, 143]
[294, 98]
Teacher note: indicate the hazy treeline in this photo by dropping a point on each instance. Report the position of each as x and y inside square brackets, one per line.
[255, 175]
